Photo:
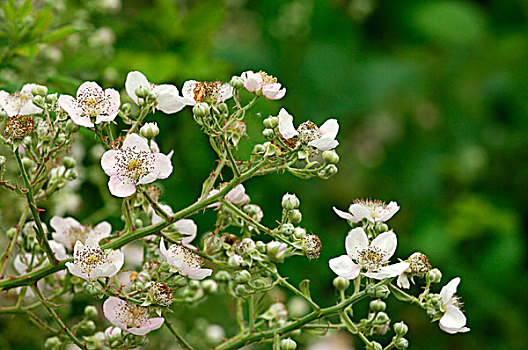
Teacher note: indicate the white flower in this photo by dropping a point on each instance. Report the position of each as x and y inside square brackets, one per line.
[68, 231]
[22, 262]
[236, 196]
[322, 138]
[370, 258]
[262, 82]
[132, 318]
[372, 210]
[418, 266]
[167, 95]
[454, 320]
[19, 103]
[206, 91]
[132, 165]
[91, 102]
[91, 262]
[185, 227]
[183, 260]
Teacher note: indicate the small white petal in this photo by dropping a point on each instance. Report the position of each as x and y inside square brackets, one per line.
[392, 208]
[163, 165]
[344, 266]
[449, 290]
[360, 212]
[403, 281]
[453, 319]
[133, 81]
[121, 186]
[286, 128]
[136, 142]
[199, 274]
[386, 242]
[109, 162]
[324, 144]
[388, 271]
[344, 215]
[355, 242]
[329, 129]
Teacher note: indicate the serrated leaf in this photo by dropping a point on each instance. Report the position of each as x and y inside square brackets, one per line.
[42, 22]
[58, 34]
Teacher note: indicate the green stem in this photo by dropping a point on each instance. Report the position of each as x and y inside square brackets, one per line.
[9, 249]
[240, 314]
[286, 284]
[43, 241]
[251, 311]
[144, 112]
[156, 206]
[183, 343]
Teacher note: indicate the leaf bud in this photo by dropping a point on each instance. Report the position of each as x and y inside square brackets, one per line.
[288, 344]
[341, 283]
[331, 157]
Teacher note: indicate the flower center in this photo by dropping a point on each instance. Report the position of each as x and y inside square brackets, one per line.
[308, 131]
[192, 260]
[371, 258]
[79, 233]
[133, 315]
[266, 78]
[19, 126]
[207, 91]
[374, 206]
[134, 164]
[92, 102]
[89, 258]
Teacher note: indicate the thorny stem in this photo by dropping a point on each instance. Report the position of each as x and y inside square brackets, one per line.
[183, 343]
[144, 112]
[251, 310]
[43, 242]
[156, 206]
[9, 249]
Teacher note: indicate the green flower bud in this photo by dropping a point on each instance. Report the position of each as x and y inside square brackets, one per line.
[27, 163]
[261, 246]
[400, 328]
[295, 216]
[201, 110]
[290, 201]
[142, 92]
[222, 276]
[222, 108]
[61, 139]
[331, 157]
[39, 90]
[377, 305]
[125, 108]
[268, 134]
[87, 327]
[91, 312]
[433, 276]
[164, 266]
[71, 174]
[382, 227]
[39, 101]
[71, 126]
[401, 343]
[68, 162]
[241, 290]
[209, 287]
[328, 171]
[235, 260]
[236, 82]
[149, 130]
[341, 283]
[138, 223]
[299, 233]
[382, 292]
[271, 122]
[242, 276]
[382, 317]
[375, 346]
[288, 344]
[51, 99]
[11, 232]
[287, 229]
[258, 149]
[27, 141]
[52, 343]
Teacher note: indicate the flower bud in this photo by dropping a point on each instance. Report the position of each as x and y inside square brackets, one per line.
[142, 92]
[433, 276]
[401, 343]
[241, 290]
[112, 333]
[125, 108]
[87, 327]
[341, 283]
[138, 223]
[261, 246]
[287, 229]
[236, 82]
[245, 246]
[295, 216]
[2, 161]
[209, 287]
[235, 260]
[382, 292]
[222, 276]
[401, 328]
[382, 317]
[382, 227]
[201, 109]
[27, 163]
[271, 122]
[290, 201]
[164, 266]
[242, 276]
[222, 108]
[52, 343]
[268, 134]
[91, 312]
[331, 157]
[51, 99]
[299, 233]
[288, 344]
[276, 250]
[39, 90]
[71, 174]
[328, 171]
[149, 130]
[68, 162]
[375, 346]
[38, 101]
[258, 149]
[71, 126]
[11, 232]
[377, 305]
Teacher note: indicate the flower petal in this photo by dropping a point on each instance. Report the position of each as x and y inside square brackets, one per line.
[449, 290]
[121, 186]
[355, 242]
[150, 325]
[329, 129]
[136, 142]
[112, 309]
[360, 212]
[286, 128]
[453, 320]
[75, 271]
[344, 266]
[344, 215]
[162, 165]
[388, 271]
[102, 230]
[133, 81]
[386, 242]
[109, 162]
[199, 274]
[188, 90]
[89, 88]
[403, 281]
[114, 101]
[391, 209]
[324, 144]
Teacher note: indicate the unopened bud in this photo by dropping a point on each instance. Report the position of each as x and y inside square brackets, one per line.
[433, 276]
[149, 130]
[270, 122]
[258, 149]
[237, 82]
[222, 108]
[299, 233]
[268, 133]
[38, 101]
[331, 157]
[235, 260]
[51, 99]
[91, 312]
[276, 250]
[39, 90]
[2, 161]
[341, 283]
[401, 328]
[242, 276]
[68, 162]
[71, 126]
[295, 216]
[401, 343]
[209, 286]
[27, 163]
[290, 201]
[374, 346]
[125, 108]
[382, 317]
[287, 229]
[142, 92]
[382, 227]
[52, 343]
[201, 109]
[382, 292]
[288, 344]
[222, 276]
[87, 327]
[138, 223]
[11, 232]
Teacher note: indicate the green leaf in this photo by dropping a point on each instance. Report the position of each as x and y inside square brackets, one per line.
[25, 9]
[9, 11]
[399, 294]
[58, 34]
[304, 286]
[42, 22]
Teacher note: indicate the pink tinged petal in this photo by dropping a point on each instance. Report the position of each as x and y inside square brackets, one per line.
[237, 195]
[386, 242]
[19, 265]
[162, 165]
[63, 225]
[121, 186]
[188, 228]
[212, 193]
[89, 87]
[75, 271]
[112, 309]
[188, 91]
[344, 215]
[58, 249]
[133, 81]
[286, 128]
[344, 266]
[113, 109]
[252, 81]
[117, 258]
[388, 271]
[150, 325]
[360, 212]
[149, 178]
[355, 242]
[449, 290]
[109, 162]
[136, 142]
[329, 129]
[103, 230]
[105, 270]
[453, 320]
[403, 281]
[273, 91]
[199, 274]
[324, 144]
[392, 208]
[69, 104]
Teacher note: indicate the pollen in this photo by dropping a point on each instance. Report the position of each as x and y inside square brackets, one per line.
[266, 78]
[308, 131]
[372, 258]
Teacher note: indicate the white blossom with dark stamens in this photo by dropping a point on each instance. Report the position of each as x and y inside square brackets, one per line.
[130, 317]
[20, 102]
[454, 320]
[206, 91]
[68, 231]
[372, 210]
[92, 102]
[132, 165]
[182, 260]
[91, 262]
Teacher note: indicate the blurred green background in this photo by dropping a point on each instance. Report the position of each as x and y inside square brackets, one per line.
[432, 101]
